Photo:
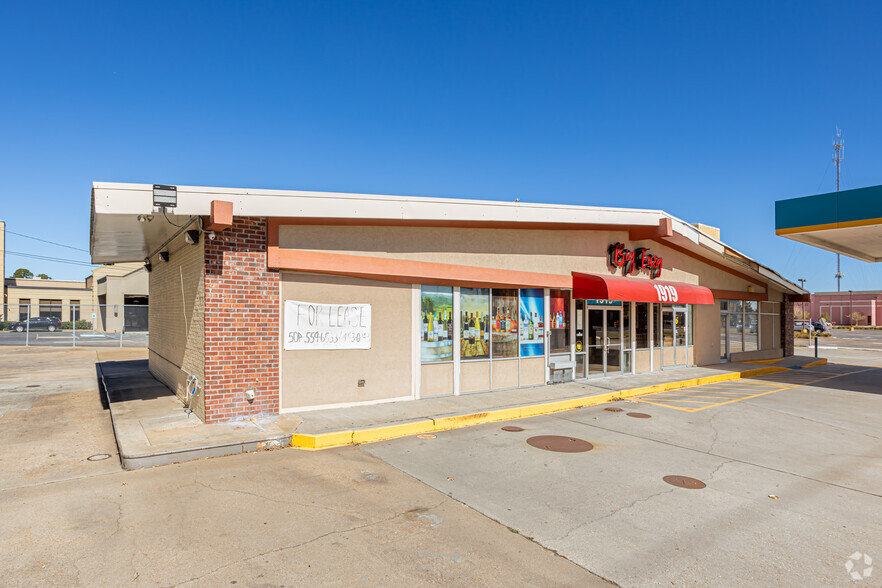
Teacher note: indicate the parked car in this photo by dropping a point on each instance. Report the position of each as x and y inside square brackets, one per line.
[819, 327]
[37, 323]
[800, 325]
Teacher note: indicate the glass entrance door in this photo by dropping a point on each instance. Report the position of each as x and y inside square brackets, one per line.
[598, 340]
[724, 337]
[613, 332]
[674, 348]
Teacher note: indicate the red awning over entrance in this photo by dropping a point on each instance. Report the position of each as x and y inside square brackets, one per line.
[592, 287]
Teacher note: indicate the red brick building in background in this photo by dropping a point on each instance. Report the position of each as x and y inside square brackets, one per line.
[839, 306]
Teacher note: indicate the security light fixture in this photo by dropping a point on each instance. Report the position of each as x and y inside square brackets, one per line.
[147, 265]
[165, 196]
[163, 255]
[192, 236]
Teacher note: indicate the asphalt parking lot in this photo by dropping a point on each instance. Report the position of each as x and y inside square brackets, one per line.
[792, 464]
[67, 339]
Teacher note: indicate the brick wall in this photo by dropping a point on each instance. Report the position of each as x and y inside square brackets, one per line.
[787, 325]
[175, 316]
[241, 323]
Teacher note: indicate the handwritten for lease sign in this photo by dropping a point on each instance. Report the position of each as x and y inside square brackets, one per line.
[310, 325]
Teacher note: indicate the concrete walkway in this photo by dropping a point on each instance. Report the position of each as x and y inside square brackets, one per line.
[152, 428]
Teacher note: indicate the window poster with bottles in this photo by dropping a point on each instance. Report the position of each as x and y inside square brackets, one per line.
[504, 323]
[532, 331]
[474, 306]
[436, 314]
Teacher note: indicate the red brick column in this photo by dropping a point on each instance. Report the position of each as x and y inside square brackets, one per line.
[241, 323]
[787, 326]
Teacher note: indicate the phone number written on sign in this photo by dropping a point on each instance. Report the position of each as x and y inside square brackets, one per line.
[312, 325]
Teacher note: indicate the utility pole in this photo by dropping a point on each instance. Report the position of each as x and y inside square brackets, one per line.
[838, 156]
[802, 282]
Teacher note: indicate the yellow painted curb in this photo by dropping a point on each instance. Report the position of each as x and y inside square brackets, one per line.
[814, 363]
[386, 432]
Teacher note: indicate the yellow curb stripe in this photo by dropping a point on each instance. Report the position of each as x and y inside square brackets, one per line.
[386, 432]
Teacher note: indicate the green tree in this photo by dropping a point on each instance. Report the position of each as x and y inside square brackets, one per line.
[43, 277]
[22, 273]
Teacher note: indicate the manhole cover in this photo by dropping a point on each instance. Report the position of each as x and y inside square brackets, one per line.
[98, 457]
[33, 386]
[560, 443]
[684, 482]
[511, 429]
[613, 409]
[639, 415]
[426, 436]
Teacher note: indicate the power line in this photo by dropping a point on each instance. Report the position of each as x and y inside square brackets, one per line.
[53, 259]
[45, 241]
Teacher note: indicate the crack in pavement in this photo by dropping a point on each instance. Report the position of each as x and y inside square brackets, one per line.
[302, 544]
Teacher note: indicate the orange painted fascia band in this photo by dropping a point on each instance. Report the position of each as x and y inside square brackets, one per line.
[830, 226]
[408, 271]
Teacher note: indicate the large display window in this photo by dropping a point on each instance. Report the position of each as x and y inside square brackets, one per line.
[559, 321]
[532, 331]
[436, 309]
[474, 316]
[504, 339]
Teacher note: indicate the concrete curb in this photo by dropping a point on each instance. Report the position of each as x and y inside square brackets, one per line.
[158, 458]
[431, 425]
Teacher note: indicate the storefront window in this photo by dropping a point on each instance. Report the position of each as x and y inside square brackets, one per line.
[751, 325]
[436, 310]
[505, 324]
[532, 326]
[641, 333]
[74, 310]
[50, 309]
[560, 321]
[667, 329]
[680, 325]
[626, 325]
[474, 306]
[24, 306]
[736, 326]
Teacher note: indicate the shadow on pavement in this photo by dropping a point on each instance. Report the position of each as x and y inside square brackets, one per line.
[832, 376]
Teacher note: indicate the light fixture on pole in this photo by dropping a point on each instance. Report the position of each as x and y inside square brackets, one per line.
[165, 196]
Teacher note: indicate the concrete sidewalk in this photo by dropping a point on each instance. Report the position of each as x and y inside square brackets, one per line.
[153, 428]
[366, 424]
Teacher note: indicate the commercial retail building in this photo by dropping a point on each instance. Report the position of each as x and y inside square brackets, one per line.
[279, 301]
[840, 306]
[111, 298]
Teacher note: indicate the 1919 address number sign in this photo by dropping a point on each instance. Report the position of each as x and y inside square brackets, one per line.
[311, 325]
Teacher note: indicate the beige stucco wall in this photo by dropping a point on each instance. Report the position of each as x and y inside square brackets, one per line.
[35, 290]
[319, 377]
[177, 320]
[110, 285]
[554, 252]
[474, 376]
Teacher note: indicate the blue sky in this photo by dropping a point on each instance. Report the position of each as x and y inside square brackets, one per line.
[710, 111]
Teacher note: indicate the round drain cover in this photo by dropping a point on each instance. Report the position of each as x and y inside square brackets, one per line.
[639, 415]
[426, 436]
[684, 482]
[613, 409]
[98, 457]
[560, 443]
[511, 429]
